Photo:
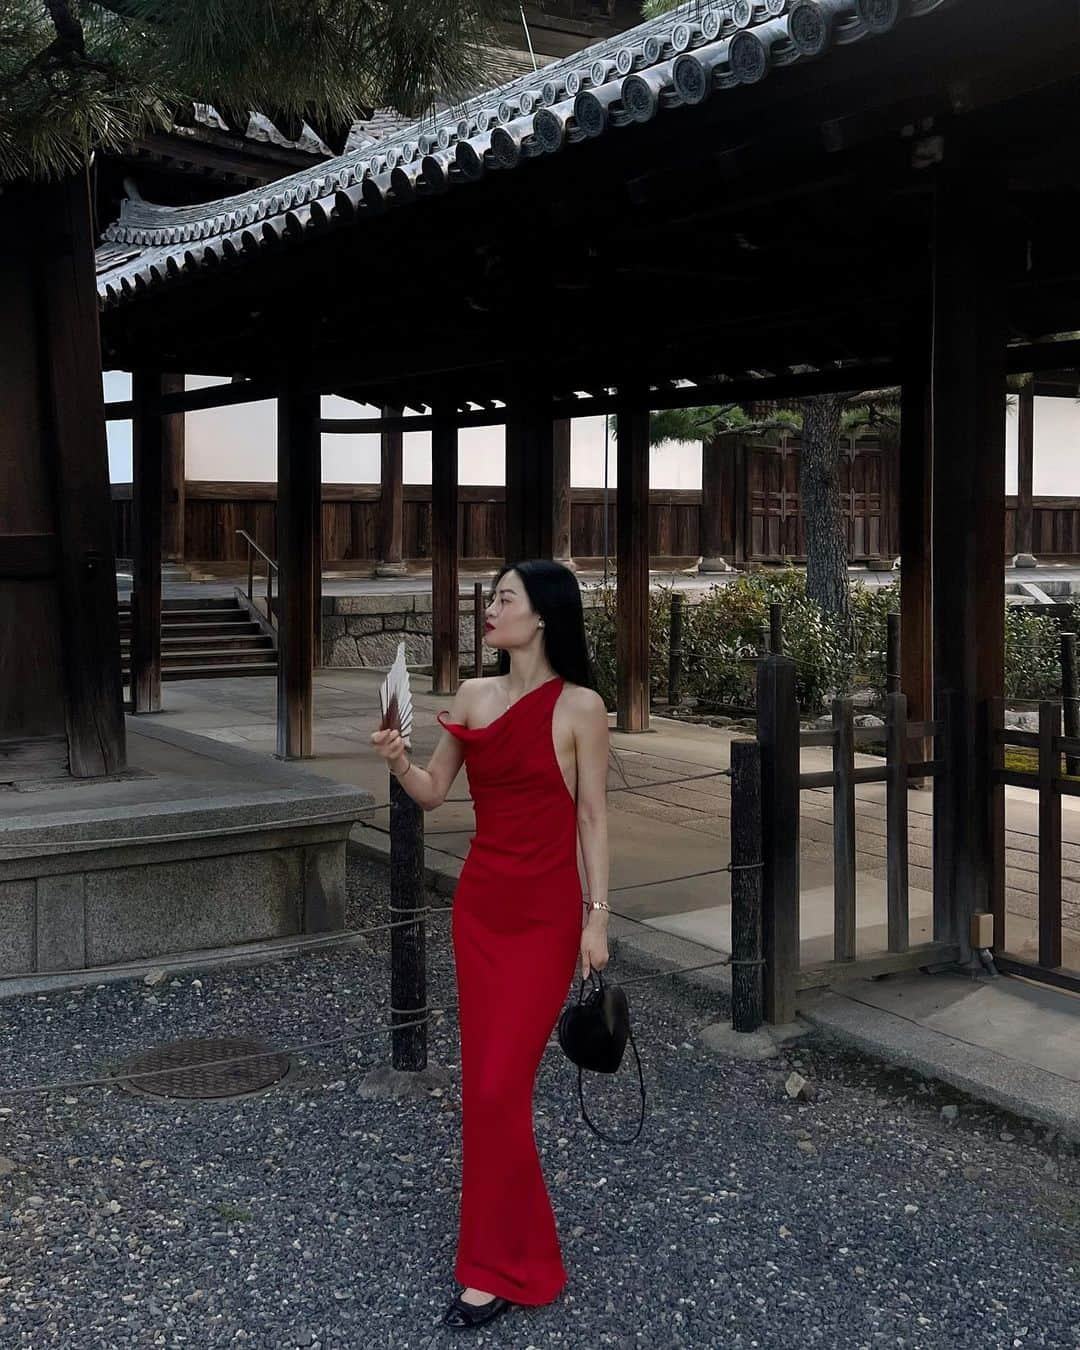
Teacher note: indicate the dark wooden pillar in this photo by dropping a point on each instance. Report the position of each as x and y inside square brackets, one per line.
[391, 500]
[530, 477]
[632, 562]
[561, 545]
[444, 551]
[915, 516]
[147, 469]
[172, 477]
[1025, 484]
[717, 503]
[968, 400]
[299, 465]
[61, 710]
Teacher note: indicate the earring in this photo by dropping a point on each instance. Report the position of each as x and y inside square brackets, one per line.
[540, 624]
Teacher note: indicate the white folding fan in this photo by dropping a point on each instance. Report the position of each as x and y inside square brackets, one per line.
[395, 698]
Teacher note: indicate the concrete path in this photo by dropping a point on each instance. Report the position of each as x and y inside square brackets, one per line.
[669, 829]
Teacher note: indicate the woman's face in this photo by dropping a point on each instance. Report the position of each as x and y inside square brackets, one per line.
[510, 620]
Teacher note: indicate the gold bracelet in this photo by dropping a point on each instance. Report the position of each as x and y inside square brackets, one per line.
[597, 904]
[400, 776]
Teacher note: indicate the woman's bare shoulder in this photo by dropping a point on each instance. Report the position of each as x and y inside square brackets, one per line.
[583, 703]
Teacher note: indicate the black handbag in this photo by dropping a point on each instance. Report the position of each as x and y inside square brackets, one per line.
[593, 1032]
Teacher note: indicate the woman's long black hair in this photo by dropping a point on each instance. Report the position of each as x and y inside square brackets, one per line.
[555, 595]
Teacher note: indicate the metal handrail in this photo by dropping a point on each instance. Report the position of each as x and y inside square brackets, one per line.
[271, 569]
[252, 544]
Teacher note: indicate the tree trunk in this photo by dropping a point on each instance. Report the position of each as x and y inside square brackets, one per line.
[819, 490]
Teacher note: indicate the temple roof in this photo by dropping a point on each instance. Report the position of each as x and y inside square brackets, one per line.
[683, 58]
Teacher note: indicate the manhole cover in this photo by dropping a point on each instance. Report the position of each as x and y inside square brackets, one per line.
[177, 1070]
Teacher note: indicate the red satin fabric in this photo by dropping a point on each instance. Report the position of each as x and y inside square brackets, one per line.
[516, 930]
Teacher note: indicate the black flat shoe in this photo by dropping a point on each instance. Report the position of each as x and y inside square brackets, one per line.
[460, 1314]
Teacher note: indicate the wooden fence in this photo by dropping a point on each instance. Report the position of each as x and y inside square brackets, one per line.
[783, 779]
[1051, 779]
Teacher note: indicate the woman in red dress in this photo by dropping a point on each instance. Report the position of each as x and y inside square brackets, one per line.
[535, 740]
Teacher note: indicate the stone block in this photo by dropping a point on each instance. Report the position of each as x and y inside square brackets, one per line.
[149, 910]
[418, 623]
[61, 922]
[16, 927]
[358, 625]
[333, 626]
[340, 653]
[324, 887]
[379, 649]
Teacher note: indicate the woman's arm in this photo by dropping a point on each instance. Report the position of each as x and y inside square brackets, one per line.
[427, 787]
[591, 748]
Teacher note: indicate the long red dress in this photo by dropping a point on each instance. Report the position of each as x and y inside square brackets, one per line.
[516, 930]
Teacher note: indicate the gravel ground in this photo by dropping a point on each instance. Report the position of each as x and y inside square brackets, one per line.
[311, 1216]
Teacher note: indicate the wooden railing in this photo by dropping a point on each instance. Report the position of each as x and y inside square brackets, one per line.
[271, 572]
[783, 780]
[1050, 778]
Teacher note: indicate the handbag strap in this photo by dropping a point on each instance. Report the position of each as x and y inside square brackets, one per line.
[611, 1139]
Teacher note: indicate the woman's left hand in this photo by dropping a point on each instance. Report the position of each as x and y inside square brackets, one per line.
[594, 952]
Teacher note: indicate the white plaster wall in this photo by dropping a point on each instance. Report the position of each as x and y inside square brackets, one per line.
[238, 444]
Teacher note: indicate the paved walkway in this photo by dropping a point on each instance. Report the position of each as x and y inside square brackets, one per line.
[669, 830]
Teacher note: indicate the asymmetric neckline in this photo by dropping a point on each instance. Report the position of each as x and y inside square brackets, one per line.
[506, 713]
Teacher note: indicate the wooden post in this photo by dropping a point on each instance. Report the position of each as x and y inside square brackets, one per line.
[408, 957]
[892, 654]
[561, 549]
[740, 473]
[916, 543]
[530, 477]
[844, 926]
[1049, 837]
[61, 708]
[172, 477]
[713, 538]
[147, 464]
[778, 736]
[632, 547]
[391, 500]
[747, 990]
[776, 627]
[1025, 483]
[444, 551]
[968, 522]
[297, 495]
[674, 693]
[478, 629]
[896, 821]
[1070, 696]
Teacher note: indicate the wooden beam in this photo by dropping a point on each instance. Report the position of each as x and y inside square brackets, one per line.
[391, 497]
[27, 557]
[172, 480]
[714, 532]
[1025, 484]
[969, 327]
[444, 552]
[147, 460]
[530, 453]
[632, 551]
[297, 496]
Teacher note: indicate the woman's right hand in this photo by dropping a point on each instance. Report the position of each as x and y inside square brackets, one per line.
[389, 746]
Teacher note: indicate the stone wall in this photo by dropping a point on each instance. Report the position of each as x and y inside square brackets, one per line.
[364, 630]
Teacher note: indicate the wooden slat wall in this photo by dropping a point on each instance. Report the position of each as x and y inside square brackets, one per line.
[214, 511]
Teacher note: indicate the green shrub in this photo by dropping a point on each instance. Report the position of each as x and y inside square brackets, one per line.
[1032, 654]
[869, 632]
